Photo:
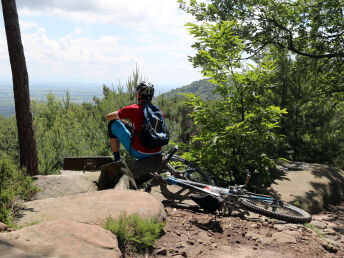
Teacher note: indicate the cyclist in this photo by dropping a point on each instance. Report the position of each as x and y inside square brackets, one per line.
[121, 133]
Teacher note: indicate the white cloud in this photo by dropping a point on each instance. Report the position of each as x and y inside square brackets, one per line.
[155, 40]
[102, 60]
[77, 30]
[24, 25]
[142, 13]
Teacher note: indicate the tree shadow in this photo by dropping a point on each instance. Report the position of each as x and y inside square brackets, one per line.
[323, 194]
[212, 225]
[182, 206]
[330, 192]
[281, 171]
[21, 214]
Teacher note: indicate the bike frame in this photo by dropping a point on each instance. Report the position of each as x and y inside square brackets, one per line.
[228, 192]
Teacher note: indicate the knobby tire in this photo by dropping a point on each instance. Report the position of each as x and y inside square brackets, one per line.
[299, 216]
[196, 174]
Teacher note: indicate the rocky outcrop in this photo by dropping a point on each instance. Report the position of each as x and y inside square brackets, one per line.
[93, 207]
[68, 183]
[59, 238]
[312, 186]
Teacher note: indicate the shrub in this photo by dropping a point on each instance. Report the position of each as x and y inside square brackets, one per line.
[135, 233]
[15, 187]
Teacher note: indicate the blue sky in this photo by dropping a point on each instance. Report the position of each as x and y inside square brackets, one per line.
[101, 41]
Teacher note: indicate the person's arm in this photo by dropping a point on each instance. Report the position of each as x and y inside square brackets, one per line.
[114, 116]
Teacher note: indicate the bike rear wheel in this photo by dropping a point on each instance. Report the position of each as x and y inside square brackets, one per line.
[280, 210]
[183, 169]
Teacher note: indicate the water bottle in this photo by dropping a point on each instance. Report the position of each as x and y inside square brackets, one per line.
[215, 189]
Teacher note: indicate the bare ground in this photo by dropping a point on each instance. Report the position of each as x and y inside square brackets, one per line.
[191, 233]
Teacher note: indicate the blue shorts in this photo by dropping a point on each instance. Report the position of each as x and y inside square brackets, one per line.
[119, 130]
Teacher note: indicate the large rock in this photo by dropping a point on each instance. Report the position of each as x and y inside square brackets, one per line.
[68, 183]
[128, 175]
[59, 238]
[116, 175]
[313, 186]
[93, 207]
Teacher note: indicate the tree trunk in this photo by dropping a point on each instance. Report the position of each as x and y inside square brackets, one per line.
[26, 136]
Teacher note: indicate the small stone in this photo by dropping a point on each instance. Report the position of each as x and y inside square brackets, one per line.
[330, 232]
[269, 234]
[161, 251]
[255, 247]
[271, 226]
[330, 248]
[265, 224]
[184, 254]
[3, 227]
[237, 241]
[189, 242]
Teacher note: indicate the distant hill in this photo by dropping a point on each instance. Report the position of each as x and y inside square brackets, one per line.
[201, 88]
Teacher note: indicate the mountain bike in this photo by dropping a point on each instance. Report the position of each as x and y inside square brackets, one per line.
[180, 179]
[178, 167]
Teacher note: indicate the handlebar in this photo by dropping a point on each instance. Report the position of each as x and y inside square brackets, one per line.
[171, 153]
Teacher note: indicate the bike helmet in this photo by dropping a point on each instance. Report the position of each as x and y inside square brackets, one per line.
[145, 89]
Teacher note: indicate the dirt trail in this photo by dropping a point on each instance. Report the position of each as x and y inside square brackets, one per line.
[191, 233]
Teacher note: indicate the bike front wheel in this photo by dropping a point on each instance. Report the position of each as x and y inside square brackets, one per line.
[275, 209]
[182, 169]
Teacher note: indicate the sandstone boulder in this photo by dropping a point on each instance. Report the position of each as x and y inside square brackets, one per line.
[68, 183]
[116, 175]
[312, 186]
[59, 238]
[93, 207]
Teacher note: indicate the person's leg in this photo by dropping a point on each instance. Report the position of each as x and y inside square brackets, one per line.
[118, 134]
[139, 155]
[115, 145]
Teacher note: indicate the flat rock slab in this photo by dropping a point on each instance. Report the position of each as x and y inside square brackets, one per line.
[313, 188]
[59, 238]
[68, 183]
[93, 207]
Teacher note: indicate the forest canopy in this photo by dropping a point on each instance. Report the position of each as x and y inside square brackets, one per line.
[286, 102]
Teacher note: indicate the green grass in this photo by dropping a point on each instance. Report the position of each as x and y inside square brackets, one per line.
[17, 227]
[316, 230]
[135, 233]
